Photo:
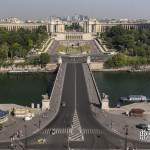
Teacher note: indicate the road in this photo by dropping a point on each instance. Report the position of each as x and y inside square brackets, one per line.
[76, 98]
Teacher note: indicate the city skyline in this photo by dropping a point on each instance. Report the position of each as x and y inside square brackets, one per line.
[37, 9]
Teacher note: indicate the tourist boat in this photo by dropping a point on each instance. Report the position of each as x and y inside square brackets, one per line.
[135, 98]
[18, 71]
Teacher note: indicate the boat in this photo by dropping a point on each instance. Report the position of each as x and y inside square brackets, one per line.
[135, 98]
[18, 71]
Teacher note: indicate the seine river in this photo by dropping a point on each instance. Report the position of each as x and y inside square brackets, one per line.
[117, 84]
[25, 88]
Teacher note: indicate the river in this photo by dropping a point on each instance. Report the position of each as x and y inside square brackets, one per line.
[117, 84]
[25, 88]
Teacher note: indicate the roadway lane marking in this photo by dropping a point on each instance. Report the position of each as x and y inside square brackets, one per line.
[76, 130]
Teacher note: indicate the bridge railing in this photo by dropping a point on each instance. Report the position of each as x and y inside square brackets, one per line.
[97, 90]
[55, 98]
[93, 91]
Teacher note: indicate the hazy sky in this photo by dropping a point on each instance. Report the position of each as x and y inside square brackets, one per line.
[36, 9]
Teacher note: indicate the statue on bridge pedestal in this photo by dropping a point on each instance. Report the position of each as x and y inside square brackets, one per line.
[105, 102]
[45, 103]
[88, 60]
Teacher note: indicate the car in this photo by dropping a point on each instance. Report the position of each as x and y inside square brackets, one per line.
[41, 141]
[143, 126]
[28, 118]
[63, 104]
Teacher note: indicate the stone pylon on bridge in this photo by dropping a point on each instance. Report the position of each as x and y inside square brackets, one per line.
[59, 60]
[88, 60]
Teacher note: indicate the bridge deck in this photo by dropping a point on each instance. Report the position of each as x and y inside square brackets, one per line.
[93, 92]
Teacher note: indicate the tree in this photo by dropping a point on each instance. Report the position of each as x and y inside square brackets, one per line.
[74, 26]
[4, 51]
[44, 59]
[16, 50]
[30, 43]
[19, 43]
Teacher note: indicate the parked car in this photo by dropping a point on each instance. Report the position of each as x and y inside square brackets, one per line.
[41, 141]
[143, 126]
[28, 118]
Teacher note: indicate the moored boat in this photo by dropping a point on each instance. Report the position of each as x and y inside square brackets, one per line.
[135, 98]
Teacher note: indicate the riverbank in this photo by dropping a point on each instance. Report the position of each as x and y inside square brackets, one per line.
[99, 67]
[29, 68]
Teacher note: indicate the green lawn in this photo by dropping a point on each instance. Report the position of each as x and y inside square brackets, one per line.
[74, 50]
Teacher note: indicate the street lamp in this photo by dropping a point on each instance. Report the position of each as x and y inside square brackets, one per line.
[11, 142]
[25, 129]
[68, 144]
[111, 124]
[39, 123]
[126, 135]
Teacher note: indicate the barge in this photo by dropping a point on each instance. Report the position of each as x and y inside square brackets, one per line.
[135, 98]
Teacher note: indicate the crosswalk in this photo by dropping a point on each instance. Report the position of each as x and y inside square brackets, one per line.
[61, 131]
[68, 131]
[57, 131]
[92, 131]
[76, 133]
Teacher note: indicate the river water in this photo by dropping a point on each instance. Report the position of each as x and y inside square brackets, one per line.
[118, 84]
[25, 88]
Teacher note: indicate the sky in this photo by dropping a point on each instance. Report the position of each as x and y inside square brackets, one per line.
[38, 9]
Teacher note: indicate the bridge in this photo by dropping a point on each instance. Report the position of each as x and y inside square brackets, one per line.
[74, 125]
[71, 120]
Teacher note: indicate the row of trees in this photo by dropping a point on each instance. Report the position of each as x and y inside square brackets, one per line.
[133, 44]
[19, 43]
[74, 26]
[122, 60]
[42, 60]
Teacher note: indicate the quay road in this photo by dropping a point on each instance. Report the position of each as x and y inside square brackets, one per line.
[80, 58]
[77, 115]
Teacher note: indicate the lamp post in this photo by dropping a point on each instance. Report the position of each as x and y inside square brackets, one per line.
[39, 123]
[25, 130]
[126, 135]
[11, 142]
[68, 144]
[111, 124]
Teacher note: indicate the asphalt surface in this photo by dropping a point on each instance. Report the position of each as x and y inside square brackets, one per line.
[65, 116]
